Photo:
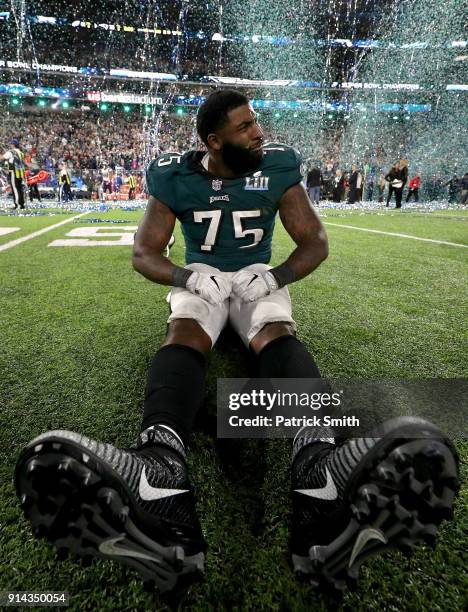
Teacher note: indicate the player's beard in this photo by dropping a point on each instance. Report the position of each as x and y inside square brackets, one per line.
[239, 159]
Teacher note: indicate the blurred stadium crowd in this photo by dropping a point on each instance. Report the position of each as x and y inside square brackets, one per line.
[106, 149]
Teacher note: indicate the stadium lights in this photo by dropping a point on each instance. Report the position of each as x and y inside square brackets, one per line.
[127, 108]
[277, 115]
[180, 111]
[65, 104]
[148, 108]
[15, 101]
[104, 106]
[42, 102]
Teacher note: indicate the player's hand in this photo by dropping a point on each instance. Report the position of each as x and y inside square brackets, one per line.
[213, 288]
[250, 286]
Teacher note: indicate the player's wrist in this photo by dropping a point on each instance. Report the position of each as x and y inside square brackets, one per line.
[180, 277]
[270, 281]
[283, 274]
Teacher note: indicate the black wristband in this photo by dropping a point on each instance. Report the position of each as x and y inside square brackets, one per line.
[180, 277]
[283, 274]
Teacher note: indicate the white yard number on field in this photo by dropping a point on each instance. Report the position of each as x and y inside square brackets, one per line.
[8, 230]
[91, 236]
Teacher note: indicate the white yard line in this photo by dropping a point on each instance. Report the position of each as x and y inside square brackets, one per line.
[373, 231]
[13, 243]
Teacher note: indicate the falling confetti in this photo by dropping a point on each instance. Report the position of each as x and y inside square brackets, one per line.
[356, 81]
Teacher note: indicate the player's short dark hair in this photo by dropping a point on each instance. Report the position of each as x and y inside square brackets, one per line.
[213, 113]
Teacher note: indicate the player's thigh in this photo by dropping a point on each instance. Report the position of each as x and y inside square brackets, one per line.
[184, 305]
[248, 319]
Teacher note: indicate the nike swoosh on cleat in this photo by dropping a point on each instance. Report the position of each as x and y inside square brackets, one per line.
[252, 279]
[108, 547]
[149, 493]
[365, 536]
[328, 492]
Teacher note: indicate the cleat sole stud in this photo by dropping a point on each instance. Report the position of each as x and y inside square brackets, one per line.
[32, 467]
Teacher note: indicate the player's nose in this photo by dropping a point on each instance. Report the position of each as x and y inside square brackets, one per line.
[257, 133]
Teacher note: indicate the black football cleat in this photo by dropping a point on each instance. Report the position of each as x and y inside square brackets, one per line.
[95, 500]
[366, 495]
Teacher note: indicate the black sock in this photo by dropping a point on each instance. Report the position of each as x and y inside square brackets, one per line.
[175, 389]
[286, 357]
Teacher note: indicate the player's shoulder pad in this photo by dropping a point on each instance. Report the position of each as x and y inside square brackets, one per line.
[279, 156]
[167, 163]
[162, 173]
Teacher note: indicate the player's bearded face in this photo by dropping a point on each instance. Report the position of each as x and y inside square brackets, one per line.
[241, 159]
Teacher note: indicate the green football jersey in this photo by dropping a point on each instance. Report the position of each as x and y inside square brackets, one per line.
[227, 223]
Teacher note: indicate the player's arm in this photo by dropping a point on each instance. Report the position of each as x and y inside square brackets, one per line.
[305, 228]
[151, 239]
[302, 223]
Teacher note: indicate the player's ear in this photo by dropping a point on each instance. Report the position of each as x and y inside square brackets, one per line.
[214, 142]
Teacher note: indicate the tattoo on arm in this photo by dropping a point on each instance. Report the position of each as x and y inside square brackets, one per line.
[304, 226]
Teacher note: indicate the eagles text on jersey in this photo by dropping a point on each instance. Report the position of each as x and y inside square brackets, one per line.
[227, 223]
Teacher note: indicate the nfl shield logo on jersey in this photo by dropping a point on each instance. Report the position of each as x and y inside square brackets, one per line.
[216, 184]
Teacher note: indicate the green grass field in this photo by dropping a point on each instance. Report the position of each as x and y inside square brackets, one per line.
[79, 327]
